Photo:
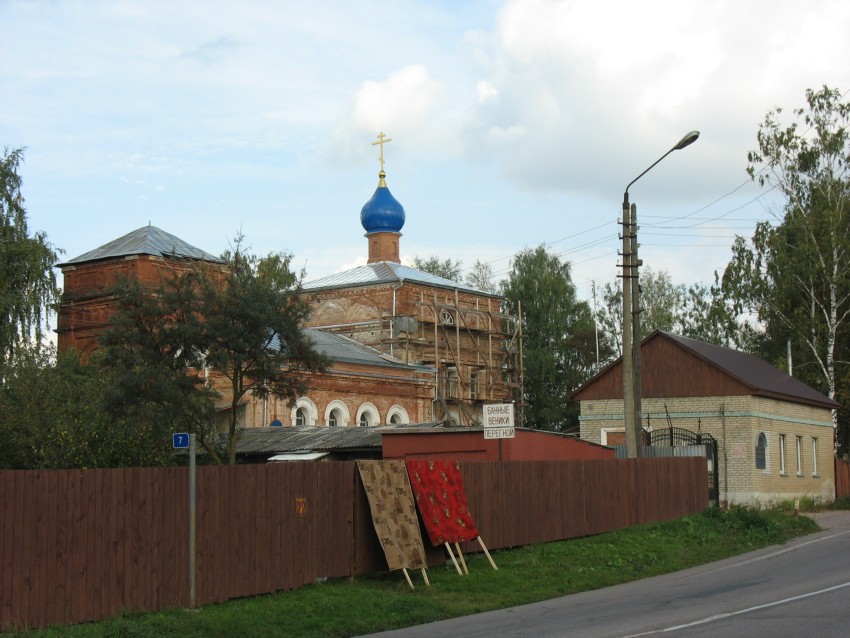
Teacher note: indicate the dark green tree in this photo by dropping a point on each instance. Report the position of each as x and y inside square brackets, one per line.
[253, 330]
[240, 321]
[28, 290]
[447, 268]
[152, 355]
[52, 416]
[794, 276]
[558, 338]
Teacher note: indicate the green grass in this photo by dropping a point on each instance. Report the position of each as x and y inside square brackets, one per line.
[342, 607]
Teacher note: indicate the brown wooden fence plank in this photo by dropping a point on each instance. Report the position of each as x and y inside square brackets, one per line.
[23, 553]
[73, 535]
[56, 551]
[8, 612]
[46, 589]
[7, 498]
[148, 546]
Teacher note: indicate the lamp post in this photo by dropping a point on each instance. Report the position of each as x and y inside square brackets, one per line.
[631, 312]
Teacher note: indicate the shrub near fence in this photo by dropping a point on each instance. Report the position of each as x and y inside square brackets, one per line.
[77, 546]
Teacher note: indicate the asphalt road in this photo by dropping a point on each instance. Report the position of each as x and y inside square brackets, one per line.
[801, 588]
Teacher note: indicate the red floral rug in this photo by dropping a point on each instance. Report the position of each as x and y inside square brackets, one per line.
[438, 489]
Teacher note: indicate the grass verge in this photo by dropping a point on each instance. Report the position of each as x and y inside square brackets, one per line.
[342, 607]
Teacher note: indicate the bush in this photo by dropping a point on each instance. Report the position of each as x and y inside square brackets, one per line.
[841, 503]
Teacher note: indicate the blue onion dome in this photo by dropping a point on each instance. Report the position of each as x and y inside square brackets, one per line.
[382, 213]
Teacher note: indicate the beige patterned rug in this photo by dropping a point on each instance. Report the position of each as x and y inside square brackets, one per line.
[393, 512]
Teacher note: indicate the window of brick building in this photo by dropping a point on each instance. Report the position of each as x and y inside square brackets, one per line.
[761, 452]
[301, 417]
[814, 456]
[783, 470]
[334, 418]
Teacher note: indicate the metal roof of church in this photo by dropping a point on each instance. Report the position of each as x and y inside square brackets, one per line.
[148, 240]
[340, 348]
[386, 272]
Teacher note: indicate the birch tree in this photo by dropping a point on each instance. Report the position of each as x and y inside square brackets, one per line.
[28, 290]
[794, 275]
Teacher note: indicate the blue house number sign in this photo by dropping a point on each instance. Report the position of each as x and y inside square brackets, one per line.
[180, 440]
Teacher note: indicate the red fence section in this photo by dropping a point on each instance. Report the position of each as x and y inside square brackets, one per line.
[842, 478]
[77, 546]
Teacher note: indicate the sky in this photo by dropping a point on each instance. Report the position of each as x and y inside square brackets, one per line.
[513, 123]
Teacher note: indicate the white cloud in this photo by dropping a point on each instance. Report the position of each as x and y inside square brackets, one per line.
[402, 105]
[599, 90]
[486, 92]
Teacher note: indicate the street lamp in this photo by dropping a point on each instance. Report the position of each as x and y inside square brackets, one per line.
[631, 312]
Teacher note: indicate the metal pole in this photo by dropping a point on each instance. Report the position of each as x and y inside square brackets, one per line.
[192, 589]
[636, 338]
[631, 312]
[628, 352]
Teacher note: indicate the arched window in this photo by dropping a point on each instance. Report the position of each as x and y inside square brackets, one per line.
[337, 414]
[368, 415]
[304, 412]
[761, 452]
[397, 415]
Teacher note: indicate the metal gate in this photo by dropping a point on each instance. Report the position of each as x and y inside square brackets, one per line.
[671, 437]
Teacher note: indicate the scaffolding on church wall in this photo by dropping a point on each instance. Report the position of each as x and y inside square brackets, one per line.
[474, 348]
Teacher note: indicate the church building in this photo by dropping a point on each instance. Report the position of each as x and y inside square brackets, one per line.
[419, 318]
[405, 346]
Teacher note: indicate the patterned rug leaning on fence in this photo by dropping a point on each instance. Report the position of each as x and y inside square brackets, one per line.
[394, 515]
[441, 497]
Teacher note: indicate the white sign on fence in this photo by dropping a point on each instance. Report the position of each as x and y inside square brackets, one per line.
[499, 433]
[499, 421]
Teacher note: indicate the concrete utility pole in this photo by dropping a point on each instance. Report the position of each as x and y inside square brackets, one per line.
[632, 412]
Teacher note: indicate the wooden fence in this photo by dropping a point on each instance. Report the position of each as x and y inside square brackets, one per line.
[77, 546]
[842, 478]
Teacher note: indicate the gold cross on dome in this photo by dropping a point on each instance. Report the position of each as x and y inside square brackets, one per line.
[382, 139]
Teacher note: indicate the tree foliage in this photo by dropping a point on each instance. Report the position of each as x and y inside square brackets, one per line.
[794, 276]
[481, 277]
[695, 311]
[52, 416]
[242, 322]
[152, 356]
[447, 268]
[28, 288]
[558, 337]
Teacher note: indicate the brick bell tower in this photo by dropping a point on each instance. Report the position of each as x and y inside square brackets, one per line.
[382, 217]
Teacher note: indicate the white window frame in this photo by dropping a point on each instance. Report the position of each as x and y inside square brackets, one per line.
[373, 417]
[604, 432]
[783, 469]
[342, 410]
[310, 409]
[815, 456]
[799, 442]
[400, 412]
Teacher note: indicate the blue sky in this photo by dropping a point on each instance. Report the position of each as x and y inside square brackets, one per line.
[513, 123]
